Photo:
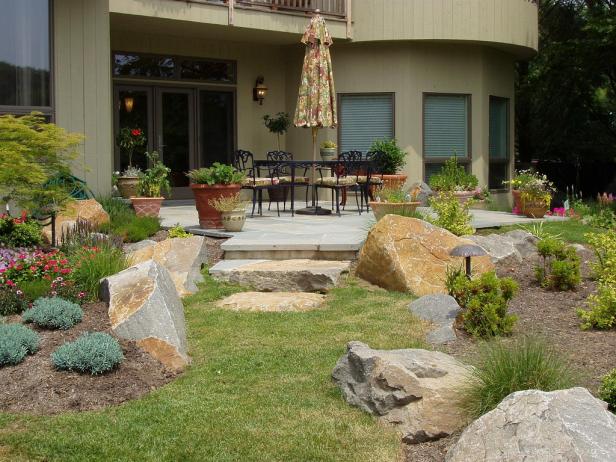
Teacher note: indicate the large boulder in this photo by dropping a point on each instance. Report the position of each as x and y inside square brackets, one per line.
[182, 257]
[272, 301]
[532, 425]
[441, 310]
[87, 210]
[415, 390]
[282, 275]
[144, 306]
[501, 249]
[411, 255]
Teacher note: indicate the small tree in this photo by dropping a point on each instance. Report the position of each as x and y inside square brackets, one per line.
[32, 152]
[279, 124]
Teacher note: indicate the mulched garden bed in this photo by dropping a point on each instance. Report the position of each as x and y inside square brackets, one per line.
[35, 386]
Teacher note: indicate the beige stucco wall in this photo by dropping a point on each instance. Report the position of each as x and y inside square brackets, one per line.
[82, 84]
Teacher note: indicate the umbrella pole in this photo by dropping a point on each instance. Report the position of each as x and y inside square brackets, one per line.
[314, 210]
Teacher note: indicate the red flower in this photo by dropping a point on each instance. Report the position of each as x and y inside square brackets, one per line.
[135, 132]
[65, 271]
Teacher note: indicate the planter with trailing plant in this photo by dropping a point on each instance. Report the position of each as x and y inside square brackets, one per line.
[535, 194]
[395, 202]
[453, 178]
[152, 183]
[519, 182]
[215, 182]
[328, 150]
[232, 212]
[390, 163]
[128, 140]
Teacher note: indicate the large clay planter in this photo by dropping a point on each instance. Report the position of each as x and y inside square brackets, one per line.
[209, 217]
[392, 181]
[535, 210]
[463, 196]
[127, 185]
[380, 209]
[517, 201]
[147, 206]
[233, 221]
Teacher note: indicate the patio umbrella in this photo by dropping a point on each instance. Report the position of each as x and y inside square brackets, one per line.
[316, 102]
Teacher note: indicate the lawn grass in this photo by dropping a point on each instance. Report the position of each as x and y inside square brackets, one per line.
[259, 388]
[570, 230]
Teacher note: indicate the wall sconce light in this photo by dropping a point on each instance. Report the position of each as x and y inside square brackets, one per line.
[129, 102]
[259, 92]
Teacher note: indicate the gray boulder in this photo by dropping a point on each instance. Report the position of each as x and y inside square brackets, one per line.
[415, 390]
[441, 310]
[524, 242]
[424, 194]
[565, 425]
[501, 249]
[144, 306]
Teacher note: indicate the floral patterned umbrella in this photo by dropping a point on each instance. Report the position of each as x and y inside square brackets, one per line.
[316, 102]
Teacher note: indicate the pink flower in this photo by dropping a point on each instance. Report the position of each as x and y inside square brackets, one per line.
[81, 294]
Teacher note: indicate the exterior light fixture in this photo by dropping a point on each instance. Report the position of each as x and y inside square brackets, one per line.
[129, 102]
[259, 92]
[467, 251]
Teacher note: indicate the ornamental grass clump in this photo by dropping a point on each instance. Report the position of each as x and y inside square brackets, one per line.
[91, 264]
[16, 341]
[92, 352]
[54, 313]
[560, 268]
[503, 367]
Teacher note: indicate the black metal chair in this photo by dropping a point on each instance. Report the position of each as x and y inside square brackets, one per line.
[244, 162]
[341, 181]
[286, 178]
[374, 157]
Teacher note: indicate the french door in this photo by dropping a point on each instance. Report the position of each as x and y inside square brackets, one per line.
[188, 127]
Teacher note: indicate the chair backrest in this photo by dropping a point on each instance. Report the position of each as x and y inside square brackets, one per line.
[375, 157]
[279, 155]
[244, 161]
[350, 155]
[349, 163]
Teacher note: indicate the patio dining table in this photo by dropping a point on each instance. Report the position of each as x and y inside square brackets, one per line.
[306, 165]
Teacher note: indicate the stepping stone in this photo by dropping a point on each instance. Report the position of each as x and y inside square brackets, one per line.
[272, 301]
[441, 310]
[282, 275]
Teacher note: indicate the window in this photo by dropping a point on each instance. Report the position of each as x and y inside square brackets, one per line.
[139, 65]
[365, 118]
[25, 56]
[499, 142]
[446, 131]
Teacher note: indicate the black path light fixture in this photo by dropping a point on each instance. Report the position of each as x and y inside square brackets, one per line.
[467, 251]
[259, 92]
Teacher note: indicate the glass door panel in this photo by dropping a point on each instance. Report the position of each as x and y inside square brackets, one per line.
[216, 129]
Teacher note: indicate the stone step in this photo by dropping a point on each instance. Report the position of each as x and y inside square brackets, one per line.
[298, 275]
[272, 302]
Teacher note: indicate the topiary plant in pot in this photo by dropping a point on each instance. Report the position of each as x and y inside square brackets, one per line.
[389, 163]
[152, 183]
[207, 184]
[128, 140]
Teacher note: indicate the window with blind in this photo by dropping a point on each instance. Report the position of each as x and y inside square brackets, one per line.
[364, 118]
[446, 131]
[499, 142]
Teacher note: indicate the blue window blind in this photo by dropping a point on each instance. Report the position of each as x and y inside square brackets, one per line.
[499, 128]
[446, 126]
[364, 119]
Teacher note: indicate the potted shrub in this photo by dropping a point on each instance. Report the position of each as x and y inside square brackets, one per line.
[453, 178]
[328, 150]
[232, 211]
[395, 201]
[519, 181]
[278, 124]
[392, 161]
[219, 180]
[536, 195]
[152, 183]
[128, 139]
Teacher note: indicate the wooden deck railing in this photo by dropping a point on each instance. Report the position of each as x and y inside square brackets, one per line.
[336, 8]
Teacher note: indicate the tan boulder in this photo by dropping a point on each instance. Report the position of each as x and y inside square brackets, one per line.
[182, 257]
[272, 301]
[87, 210]
[411, 255]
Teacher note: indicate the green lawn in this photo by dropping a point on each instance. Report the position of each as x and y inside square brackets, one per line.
[259, 389]
[570, 230]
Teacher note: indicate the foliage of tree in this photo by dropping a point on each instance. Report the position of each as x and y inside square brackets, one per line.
[32, 152]
[566, 95]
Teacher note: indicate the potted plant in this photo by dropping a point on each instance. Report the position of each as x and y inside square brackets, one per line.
[278, 124]
[453, 178]
[328, 150]
[395, 201]
[128, 139]
[232, 211]
[536, 195]
[481, 198]
[390, 163]
[519, 181]
[152, 183]
[219, 180]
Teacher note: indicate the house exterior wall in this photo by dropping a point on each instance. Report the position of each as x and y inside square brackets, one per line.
[82, 85]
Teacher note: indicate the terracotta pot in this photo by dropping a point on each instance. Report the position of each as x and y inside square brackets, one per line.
[535, 210]
[517, 200]
[479, 205]
[392, 181]
[147, 206]
[463, 196]
[380, 209]
[127, 185]
[233, 221]
[209, 217]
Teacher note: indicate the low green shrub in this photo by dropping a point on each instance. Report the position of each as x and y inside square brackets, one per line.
[607, 390]
[138, 229]
[451, 214]
[90, 265]
[12, 300]
[178, 232]
[484, 302]
[54, 313]
[560, 269]
[393, 158]
[95, 353]
[18, 232]
[453, 177]
[16, 341]
[503, 368]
